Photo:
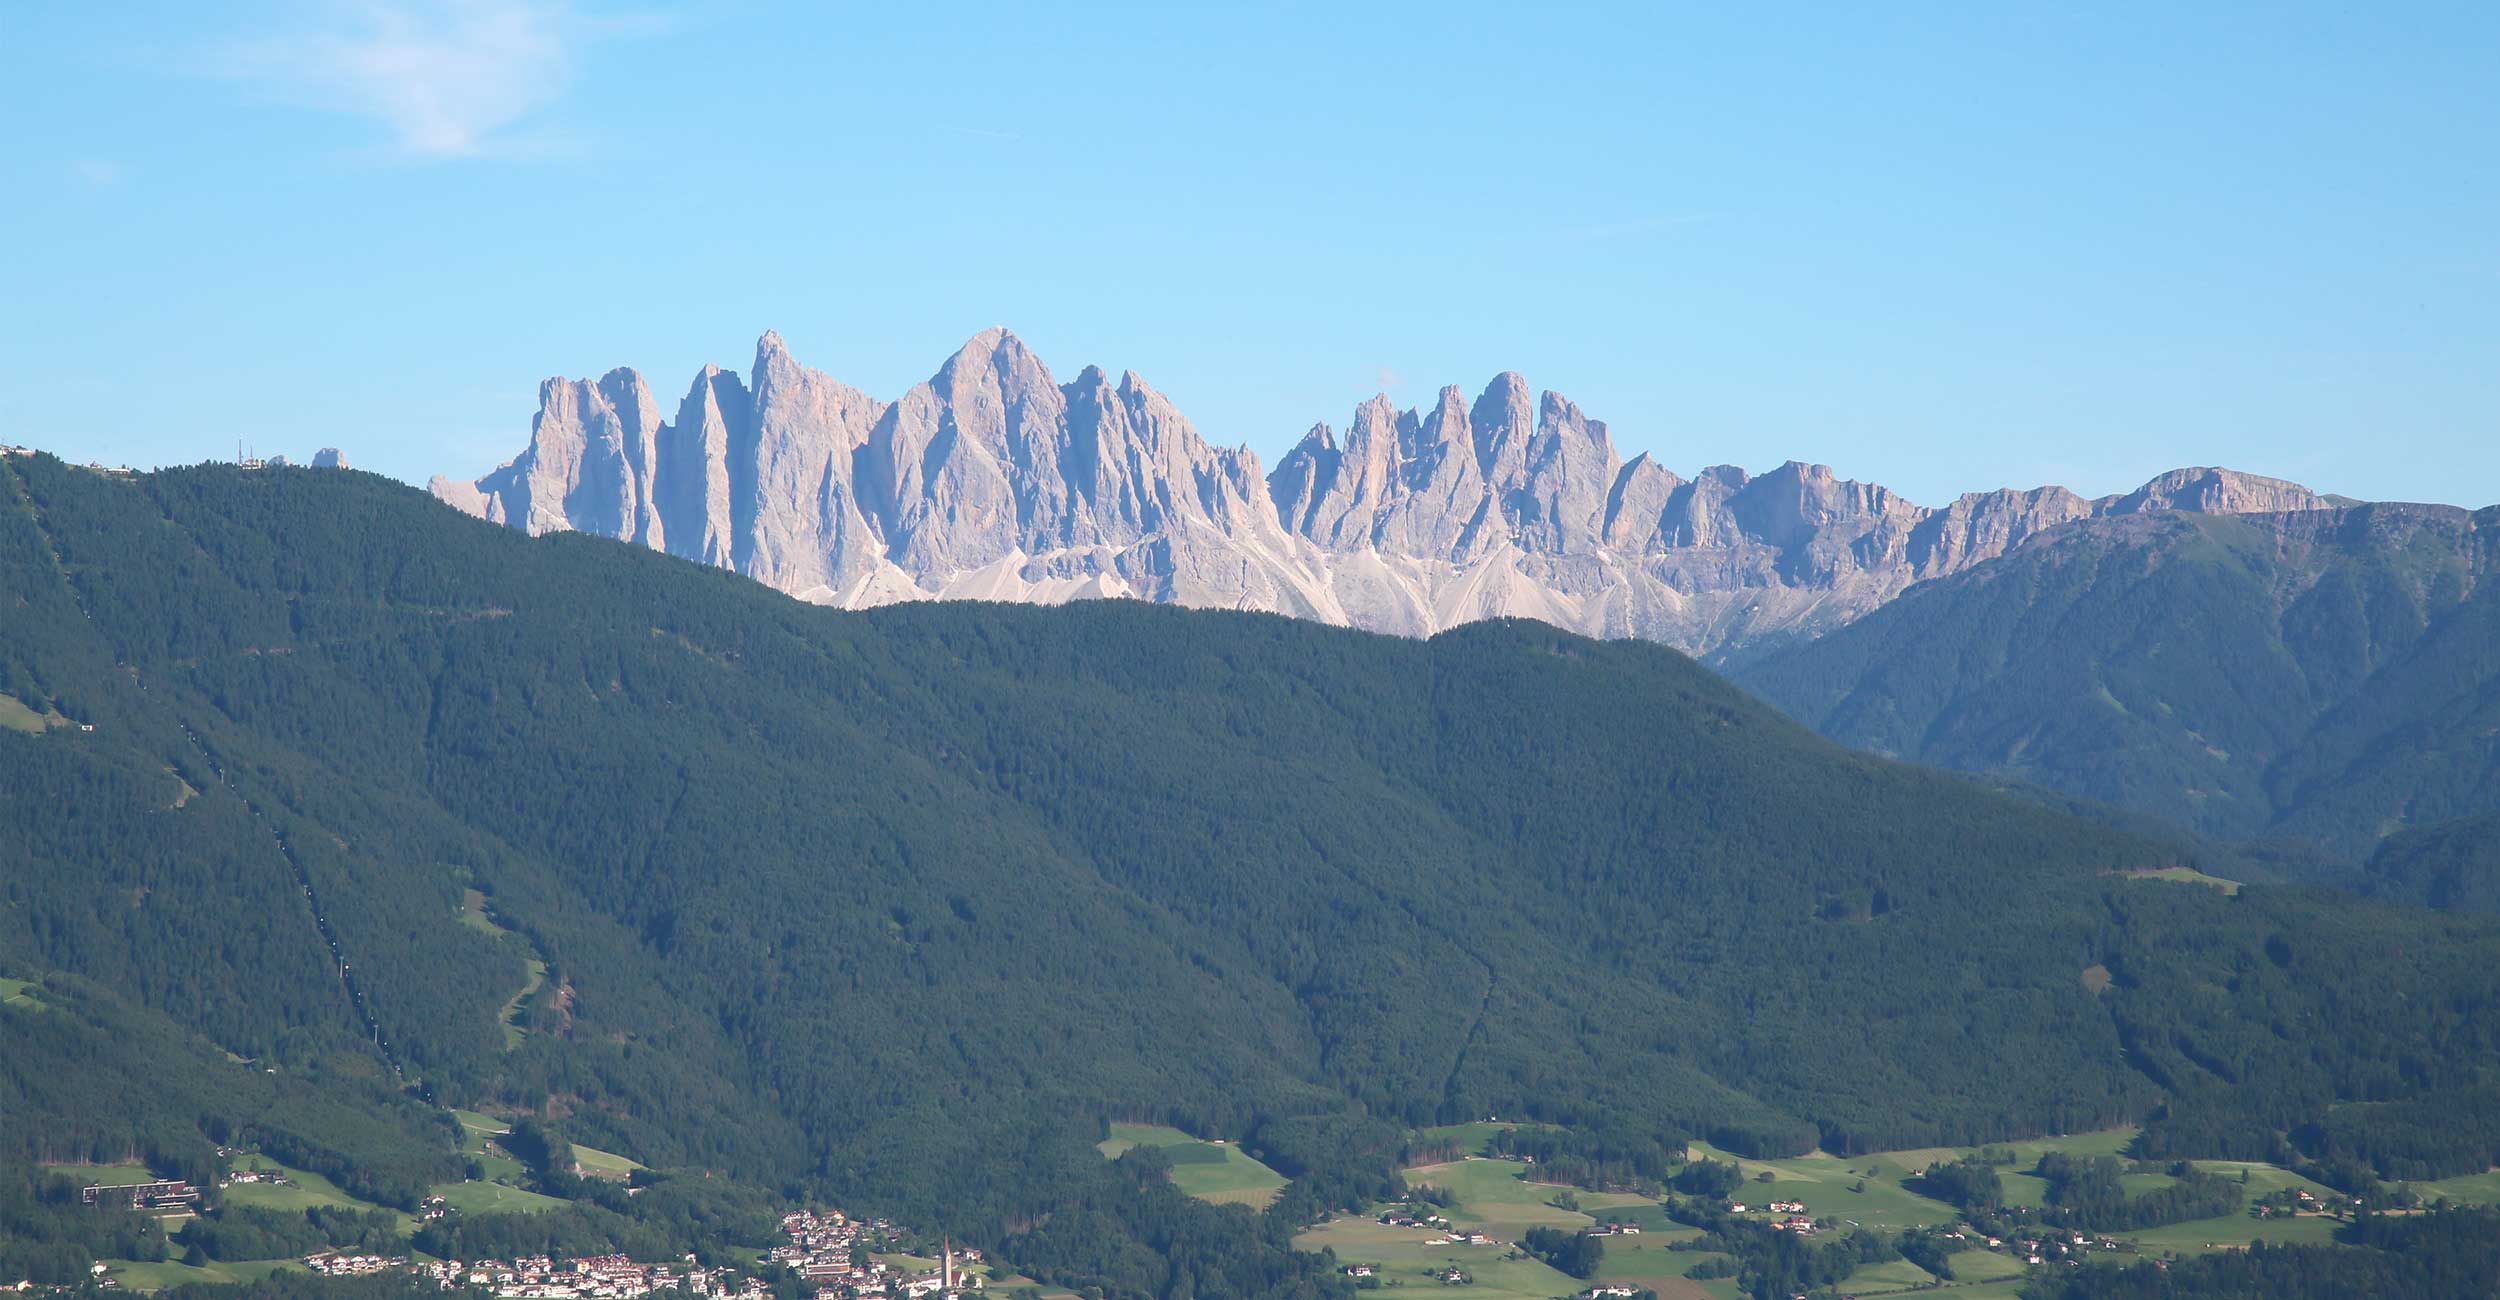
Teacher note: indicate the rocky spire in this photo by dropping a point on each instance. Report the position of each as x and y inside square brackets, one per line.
[796, 515]
[993, 480]
[697, 489]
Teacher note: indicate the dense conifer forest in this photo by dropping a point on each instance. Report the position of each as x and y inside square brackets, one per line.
[385, 810]
[2454, 866]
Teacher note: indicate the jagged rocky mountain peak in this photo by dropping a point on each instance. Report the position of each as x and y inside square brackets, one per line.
[996, 352]
[992, 480]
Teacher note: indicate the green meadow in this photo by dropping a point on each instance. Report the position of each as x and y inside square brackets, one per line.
[475, 1130]
[1984, 1266]
[474, 915]
[1494, 1197]
[113, 1175]
[2477, 1189]
[1211, 1171]
[494, 1198]
[498, 1192]
[2265, 1179]
[476, 1127]
[2187, 876]
[2012, 1290]
[302, 1191]
[2232, 1233]
[1891, 1275]
[1865, 1191]
[603, 1164]
[1465, 1139]
[16, 716]
[1497, 1198]
[150, 1275]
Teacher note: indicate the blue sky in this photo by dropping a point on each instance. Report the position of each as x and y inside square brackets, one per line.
[1942, 248]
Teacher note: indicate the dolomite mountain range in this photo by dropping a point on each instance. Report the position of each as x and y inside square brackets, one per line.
[994, 481]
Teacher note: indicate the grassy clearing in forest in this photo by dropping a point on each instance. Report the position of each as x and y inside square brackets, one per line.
[474, 915]
[1211, 1171]
[20, 993]
[119, 1174]
[151, 1275]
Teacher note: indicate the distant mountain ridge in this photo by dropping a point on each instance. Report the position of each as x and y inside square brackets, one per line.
[2327, 674]
[992, 480]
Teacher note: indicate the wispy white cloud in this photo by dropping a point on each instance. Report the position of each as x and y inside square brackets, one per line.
[98, 172]
[446, 78]
[1388, 378]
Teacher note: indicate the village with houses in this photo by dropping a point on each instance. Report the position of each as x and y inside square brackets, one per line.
[1490, 1225]
[827, 1250]
[831, 1255]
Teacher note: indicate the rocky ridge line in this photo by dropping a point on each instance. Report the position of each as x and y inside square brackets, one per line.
[992, 480]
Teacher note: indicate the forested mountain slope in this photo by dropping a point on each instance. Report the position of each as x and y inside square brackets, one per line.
[896, 905]
[2454, 866]
[2330, 674]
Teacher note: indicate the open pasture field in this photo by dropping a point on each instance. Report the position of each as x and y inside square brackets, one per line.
[474, 914]
[1465, 1139]
[136, 1275]
[2473, 1189]
[302, 1191]
[1891, 1275]
[2233, 1232]
[603, 1164]
[2264, 1179]
[2027, 1152]
[1649, 1260]
[1211, 1171]
[15, 715]
[1830, 1187]
[1985, 1266]
[475, 1130]
[1363, 1239]
[480, 1126]
[2012, 1290]
[2186, 876]
[1494, 1277]
[112, 1175]
[1823, 1181]
[1493, 1197]
[494, 1198]
[1813, 1177]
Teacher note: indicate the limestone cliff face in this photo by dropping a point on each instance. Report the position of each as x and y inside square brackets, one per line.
[992, 480]
[589, 466]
